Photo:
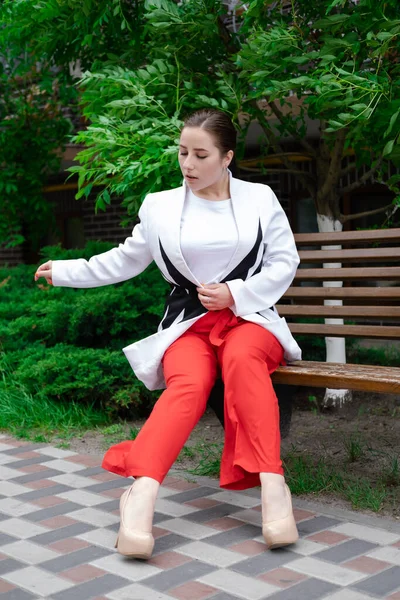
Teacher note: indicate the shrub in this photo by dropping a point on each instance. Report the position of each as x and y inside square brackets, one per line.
[91, 376]
[65, 344]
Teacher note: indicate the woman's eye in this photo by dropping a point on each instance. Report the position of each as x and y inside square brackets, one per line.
[202, 157]
[182, 153]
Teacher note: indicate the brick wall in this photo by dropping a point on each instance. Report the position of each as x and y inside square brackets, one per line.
[11, 256]
[104, 225]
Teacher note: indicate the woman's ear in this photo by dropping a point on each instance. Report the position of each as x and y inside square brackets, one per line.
[229, 157]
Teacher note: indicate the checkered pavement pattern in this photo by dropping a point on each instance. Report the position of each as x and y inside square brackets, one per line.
[59, 517]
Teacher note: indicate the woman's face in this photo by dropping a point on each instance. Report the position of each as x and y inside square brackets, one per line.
[201, 162]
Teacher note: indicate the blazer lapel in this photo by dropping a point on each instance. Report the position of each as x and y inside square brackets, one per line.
[248, 224]
[247, 221]
[170, 240]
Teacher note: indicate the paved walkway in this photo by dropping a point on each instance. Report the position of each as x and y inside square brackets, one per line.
[58, 523]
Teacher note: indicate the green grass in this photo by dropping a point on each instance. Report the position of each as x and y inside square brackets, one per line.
[209, 459]
[117, 432]
[305, 476]
[40, 419]
[355, 448]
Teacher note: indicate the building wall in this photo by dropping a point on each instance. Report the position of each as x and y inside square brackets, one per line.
[77, 222]
[11, 256]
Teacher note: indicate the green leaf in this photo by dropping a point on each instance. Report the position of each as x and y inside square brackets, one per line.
[388, 148]
[106, 196]
[358, 107]
[393, 179]
[332, 20]
[392, 121]
[384, 35]
[345, 116]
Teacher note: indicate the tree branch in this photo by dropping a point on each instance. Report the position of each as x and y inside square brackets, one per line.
[363, 178]
[336, 159]
[230, 44]
[291, 171]
[351, 167]
[279, 115]
[346, 218]
[278, 149]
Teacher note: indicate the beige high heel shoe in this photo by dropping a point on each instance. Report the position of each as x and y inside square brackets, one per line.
[281, 532]
[134, 544]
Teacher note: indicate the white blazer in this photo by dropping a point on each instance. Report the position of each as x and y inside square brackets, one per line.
[260, 271]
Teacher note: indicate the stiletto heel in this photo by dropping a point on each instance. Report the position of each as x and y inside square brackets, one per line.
[134, 544]
[281, 532]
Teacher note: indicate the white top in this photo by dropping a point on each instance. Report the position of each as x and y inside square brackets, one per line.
[209, 236]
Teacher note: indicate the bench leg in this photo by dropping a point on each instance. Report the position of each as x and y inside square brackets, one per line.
[284, 394]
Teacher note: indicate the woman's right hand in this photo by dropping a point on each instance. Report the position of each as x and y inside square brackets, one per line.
[45, 270]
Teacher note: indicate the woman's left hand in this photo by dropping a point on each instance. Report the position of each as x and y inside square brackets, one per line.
[215, 296]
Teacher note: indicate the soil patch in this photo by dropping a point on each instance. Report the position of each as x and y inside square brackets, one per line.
[361, 439]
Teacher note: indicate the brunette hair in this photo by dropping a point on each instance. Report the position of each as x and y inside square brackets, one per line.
[218, 124]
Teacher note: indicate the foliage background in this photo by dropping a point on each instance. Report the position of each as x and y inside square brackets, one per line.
[145, 65]
[65, 344]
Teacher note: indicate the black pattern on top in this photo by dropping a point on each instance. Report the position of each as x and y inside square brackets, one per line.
[243, 268]
[184, 296]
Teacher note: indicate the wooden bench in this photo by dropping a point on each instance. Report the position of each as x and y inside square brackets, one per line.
[370, 272]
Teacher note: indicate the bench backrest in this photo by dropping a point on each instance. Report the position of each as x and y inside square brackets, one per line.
[370, 271]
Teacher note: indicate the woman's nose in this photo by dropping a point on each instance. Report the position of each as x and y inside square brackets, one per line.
[188, 163]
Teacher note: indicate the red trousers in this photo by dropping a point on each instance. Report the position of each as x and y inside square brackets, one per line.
[245, 354]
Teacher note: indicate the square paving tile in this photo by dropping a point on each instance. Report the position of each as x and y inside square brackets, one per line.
[169, 542]
[38, 581]
[91, 589]
[137, 591]
[238, 584]
[74, 559]
[345, 551]
[28, 552]
[282, 577]
[267, 561]
[54, 511]
[365, 564]
[21, 529]
[383, 583]
[214, 555]
[215, 512]
[194, 494]
[82, 573]
[174, 577]
[193, 590]
[239, 534]
[60, 534]
[374, 535]
[68, 545]
[310, 589]
[10, 564]
[168, 560]
[316, 524]
[321, 569]
[132, 570]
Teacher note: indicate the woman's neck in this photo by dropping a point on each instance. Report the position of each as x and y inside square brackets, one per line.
[217, 191]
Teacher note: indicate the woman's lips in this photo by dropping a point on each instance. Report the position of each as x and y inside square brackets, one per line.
[190, 177]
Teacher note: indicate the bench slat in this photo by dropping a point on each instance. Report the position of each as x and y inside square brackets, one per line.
[343, 256]
[348, 237]
[367, 331]
[375, 273]
[377, 312]
[343, 293]
[368, 378]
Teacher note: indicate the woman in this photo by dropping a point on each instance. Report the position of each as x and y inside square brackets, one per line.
[227, 250]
